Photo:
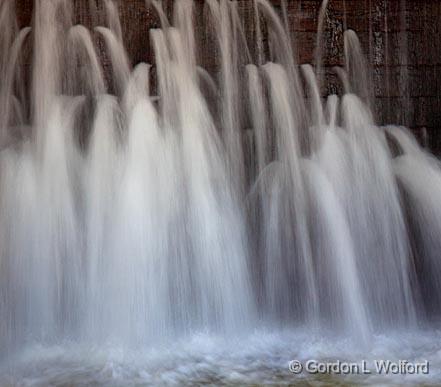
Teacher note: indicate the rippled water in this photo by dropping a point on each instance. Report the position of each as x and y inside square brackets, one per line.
[260, 359]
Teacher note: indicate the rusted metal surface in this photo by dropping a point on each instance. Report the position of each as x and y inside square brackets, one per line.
[402, 39]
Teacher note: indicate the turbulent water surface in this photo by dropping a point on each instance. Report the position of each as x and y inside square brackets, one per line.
[258, 359]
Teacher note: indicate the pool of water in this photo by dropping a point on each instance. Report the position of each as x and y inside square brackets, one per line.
[261, 358]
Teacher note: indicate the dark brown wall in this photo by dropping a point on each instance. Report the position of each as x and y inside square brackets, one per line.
[402, 39]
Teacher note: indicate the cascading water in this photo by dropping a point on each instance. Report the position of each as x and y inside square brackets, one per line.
[145, 239]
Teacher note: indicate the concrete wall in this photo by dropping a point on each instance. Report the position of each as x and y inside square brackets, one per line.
[402, 39]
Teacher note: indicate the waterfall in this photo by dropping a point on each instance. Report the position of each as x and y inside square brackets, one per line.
[154, 204]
